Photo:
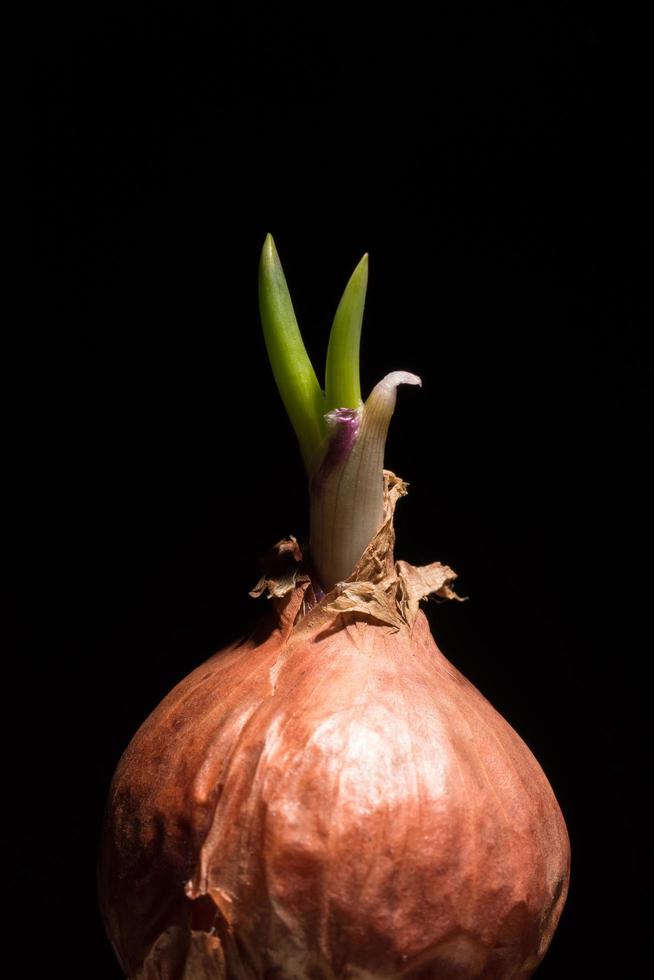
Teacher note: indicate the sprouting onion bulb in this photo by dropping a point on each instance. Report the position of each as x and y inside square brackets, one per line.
[329, 797]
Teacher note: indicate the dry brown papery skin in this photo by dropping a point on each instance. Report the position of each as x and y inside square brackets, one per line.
[331, 798]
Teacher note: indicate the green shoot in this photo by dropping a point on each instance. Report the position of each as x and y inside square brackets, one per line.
[292, 369]
[342, 385]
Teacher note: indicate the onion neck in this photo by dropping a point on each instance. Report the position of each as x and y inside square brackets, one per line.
[347, 489]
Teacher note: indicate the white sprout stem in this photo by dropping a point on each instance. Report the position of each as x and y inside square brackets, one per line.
[347, 490]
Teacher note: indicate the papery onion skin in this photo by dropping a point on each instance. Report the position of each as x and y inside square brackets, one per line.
[331, 798]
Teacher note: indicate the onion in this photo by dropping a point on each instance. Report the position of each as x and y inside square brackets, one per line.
[330, 797]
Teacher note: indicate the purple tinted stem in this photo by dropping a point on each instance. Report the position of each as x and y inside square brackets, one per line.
[347, 490]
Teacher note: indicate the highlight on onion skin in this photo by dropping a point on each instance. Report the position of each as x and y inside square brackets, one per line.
[329, 797]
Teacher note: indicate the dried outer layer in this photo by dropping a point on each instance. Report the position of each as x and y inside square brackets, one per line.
[331, 799]
[379, 588]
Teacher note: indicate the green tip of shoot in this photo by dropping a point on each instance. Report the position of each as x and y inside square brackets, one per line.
[292, 369]
[296, 380]
[342, 384]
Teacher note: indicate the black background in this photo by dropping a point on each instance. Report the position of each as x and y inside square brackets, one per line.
[491, 164]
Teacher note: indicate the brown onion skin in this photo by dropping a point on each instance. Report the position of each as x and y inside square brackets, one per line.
[332, 799]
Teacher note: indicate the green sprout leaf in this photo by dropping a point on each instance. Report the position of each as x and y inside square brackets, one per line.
[342, 385]
[292, 369]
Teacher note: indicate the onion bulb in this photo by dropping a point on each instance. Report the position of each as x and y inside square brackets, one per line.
[329, 797]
